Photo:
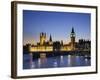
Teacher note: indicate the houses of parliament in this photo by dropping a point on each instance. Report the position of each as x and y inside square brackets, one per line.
[45, 45]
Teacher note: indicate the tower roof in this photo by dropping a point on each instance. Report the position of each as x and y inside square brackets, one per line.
[72, 30]
[50, 39]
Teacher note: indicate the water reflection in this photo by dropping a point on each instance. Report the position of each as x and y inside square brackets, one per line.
[69, 60]
[55, 63]
[61, 59]
[32, 64]
[52, 62]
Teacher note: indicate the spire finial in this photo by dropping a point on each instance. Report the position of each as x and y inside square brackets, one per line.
[50, 39]
[72, 30]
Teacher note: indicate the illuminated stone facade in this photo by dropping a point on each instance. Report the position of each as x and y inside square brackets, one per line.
[49, 45]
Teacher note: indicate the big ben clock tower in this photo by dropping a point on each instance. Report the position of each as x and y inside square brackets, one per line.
[72, 36]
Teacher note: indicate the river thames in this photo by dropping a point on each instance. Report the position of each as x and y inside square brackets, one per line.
[55, 62]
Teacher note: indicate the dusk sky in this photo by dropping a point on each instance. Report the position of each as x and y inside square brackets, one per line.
[58, 24]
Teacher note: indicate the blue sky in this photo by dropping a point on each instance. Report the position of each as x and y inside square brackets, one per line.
[58, 24]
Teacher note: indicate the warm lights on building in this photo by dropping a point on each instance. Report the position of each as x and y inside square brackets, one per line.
[44, 45]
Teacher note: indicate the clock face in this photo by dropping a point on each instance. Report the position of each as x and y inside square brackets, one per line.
[72, 34]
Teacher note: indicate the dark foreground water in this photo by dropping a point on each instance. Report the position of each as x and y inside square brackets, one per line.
[52, 62]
